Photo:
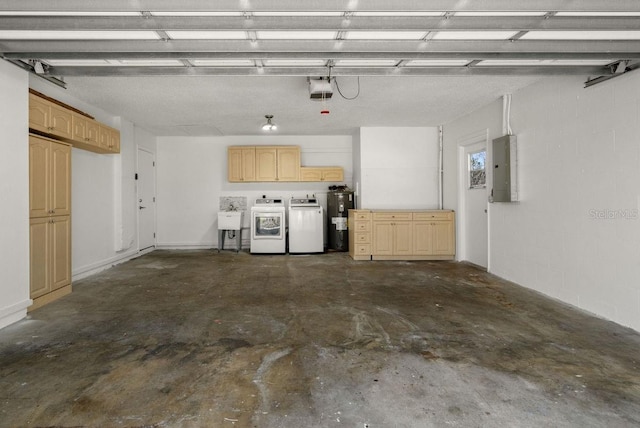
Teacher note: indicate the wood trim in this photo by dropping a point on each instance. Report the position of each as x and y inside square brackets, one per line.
[39, 302]
[60, 103]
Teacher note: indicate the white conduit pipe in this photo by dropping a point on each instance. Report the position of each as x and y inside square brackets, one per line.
[506, 115]
[440, 168]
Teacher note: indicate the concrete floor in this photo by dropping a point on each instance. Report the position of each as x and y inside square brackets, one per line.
[201, 339]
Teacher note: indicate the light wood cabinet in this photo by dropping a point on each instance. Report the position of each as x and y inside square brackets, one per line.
[49, 177]
[241, 163]
[56, 121]
[402, 235]
[392, 234]
[288, 163]
[333, 173]
[49, 118]
[274, 163]
[434, 233]
[277, 163]
[50, 254]
[50, 220]
[359, 234]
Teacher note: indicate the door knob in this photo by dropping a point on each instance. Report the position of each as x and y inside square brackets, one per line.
[141, 207]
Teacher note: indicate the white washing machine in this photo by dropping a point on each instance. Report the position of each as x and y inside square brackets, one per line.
[268, 226]
[306, 226]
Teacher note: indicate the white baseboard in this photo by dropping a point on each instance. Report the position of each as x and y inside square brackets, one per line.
[13, 313]
[94, 268]
[184, 246]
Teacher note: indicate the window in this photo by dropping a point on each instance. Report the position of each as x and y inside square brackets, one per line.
[477, 171]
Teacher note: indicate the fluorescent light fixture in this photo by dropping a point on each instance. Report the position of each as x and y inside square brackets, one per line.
[582, 35]
[499, 14]
[366, 62]
[222, 62]
[437, 62]
[295, 63]
[207, 35]
[390, 13]
[196, 13]
[385, 35]
[474, 35]
[78, 35]
[297, 35]
[298, 13]
[78, 62]
[53, 13]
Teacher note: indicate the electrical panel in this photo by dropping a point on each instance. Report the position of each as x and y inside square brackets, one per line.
[505, 170]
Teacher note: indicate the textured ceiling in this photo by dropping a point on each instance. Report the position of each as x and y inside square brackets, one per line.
[236, 105]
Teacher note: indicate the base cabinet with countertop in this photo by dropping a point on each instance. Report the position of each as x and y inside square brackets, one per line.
[401, 234]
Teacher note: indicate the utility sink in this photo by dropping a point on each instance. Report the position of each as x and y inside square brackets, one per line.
[230, 220]
[230, 223]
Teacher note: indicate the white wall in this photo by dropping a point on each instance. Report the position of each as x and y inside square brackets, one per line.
[578, 160]
[399, 167]
[14, 193]
[192, 175]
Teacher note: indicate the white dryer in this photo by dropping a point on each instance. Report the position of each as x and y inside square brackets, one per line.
[268, 226]
[306, 226]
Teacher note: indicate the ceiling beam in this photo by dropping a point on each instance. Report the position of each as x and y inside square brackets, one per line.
[335, 71]
[620, 48]
[317, 23]
[322, 5]
[189, 56]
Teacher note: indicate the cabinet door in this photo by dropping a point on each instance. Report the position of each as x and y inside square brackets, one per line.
[103, 138]
[382, 238]
[78, 128]
[249, 164]
[332, 174]
[39, 257]
[310, 174]
[60, 179]
[403, 239]
[288, 164]
[266, 162]
[39, 177]
[114, 141]
[443, 238]
[39, 114]
[60, 251]
[241, 164]
[234, 164]
[422, 238]
[93, 132]
[61, 122]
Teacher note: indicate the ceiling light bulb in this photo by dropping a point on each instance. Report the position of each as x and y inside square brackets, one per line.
[269, 125]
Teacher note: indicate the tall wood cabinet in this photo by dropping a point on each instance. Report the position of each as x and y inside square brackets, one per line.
[50, 219]
[402, 234]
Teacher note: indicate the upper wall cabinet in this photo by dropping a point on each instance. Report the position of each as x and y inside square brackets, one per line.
[241, 164]
[56, 121]
[330, 173]
[47, 117]
[278, 163]
[274, 163]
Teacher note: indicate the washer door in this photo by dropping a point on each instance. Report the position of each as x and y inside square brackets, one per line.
[267, 225]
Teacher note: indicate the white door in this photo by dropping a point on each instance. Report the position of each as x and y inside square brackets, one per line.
[473, 200]
[146, 179]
